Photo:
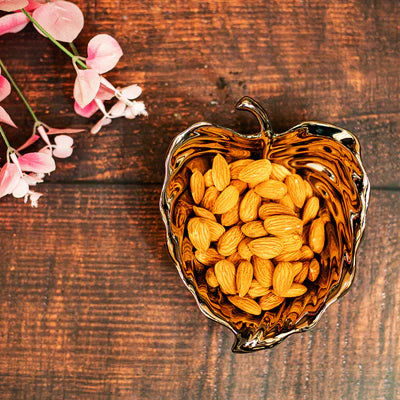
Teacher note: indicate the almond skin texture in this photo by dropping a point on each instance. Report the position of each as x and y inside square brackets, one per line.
[235, 258]
[283, 278]
[220, 172]
[288, 256]
[267, 247]
[197, 186]
[313, 270]
[226, 200]
[316, 238]
[291, 242]
[280, 225]
[209, 257]
[263, 271]
[308, 189]
[225, 273]
[256, 172]
[244, 276]
[199, 234]
[273, 190]
[239, 185]
[267, 210]
[254, 229]
[243, 249]
[296, 191]
[228, 242]
[237, 166]
[288, 202]
[248, 209]
[211, 279]
[231, 217]
[248, 305]
[208, 180]
[210, 196]
[310, 209]
[279, 172]
[256, 290]
[296, 290]
[297, 267]
[306, 253]
[302, 275]
[270, 301]
[204, 213]
[216, 230]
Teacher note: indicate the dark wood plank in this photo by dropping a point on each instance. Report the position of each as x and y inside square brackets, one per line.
[333, 61]
[93, 308]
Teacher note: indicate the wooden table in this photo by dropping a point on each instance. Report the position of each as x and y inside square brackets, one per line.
[91, 304]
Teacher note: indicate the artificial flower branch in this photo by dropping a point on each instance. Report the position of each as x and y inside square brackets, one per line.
[3, 135]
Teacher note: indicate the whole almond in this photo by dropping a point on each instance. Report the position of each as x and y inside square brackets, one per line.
[257, 290]
[239, 185]
[244, 276]
[220, 172]
[228, 242]
[271, 189]
[226, 200]
[208, 180]
[197, 186]
[306, 253]
[297, 267]
[279, 172]
[231, 217]
[235, 258]
[269, 209]
[210, 196]
[302, 275]
[280, 225]
[236, 166]
[225, 273]
[291, 242]
[288, 202]
[263, 271]
[209, 257]
[288, 256]
[310, 209]
[254, 229]
[266, 247]
[296, 191]
[256, 172]
[308, 189]
[199, 233]
[283, 278]
[243, 249]
[313, 270]
[204, 213]
[248, 305]
[216, 230]
[297, 289]
[248, 209]
[211, 279]
[316, 238]
[270, 301]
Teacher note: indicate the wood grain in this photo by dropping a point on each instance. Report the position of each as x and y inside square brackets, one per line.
[93, 308]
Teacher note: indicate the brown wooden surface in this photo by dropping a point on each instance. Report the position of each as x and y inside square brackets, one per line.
[91, 304]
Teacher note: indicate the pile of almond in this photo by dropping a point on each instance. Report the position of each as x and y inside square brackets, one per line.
[257, 228]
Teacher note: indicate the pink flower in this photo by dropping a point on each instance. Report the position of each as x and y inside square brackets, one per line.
[12, 5]
[5, 90]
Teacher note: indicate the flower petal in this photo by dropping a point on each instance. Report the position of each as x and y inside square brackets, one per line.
[87, 111]
[87, 85]
[131, 92]
[118, 109]
[5, 88]
[62, 19]
[63, 147]
[34, 4]
[104, 53]
[37, 162]
[103, 122]
[9, 178]
[105, 93]
[56, 131]
[13, 23]
[33, 197]
[33, 139]
[12, 5]
[21, 190]
[5, 118]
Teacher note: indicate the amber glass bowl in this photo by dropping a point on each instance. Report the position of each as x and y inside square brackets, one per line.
[328, 157]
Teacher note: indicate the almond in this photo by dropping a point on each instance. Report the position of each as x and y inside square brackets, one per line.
[236, 166]
[271, 189]
[244, 276]
[220, 172]
[226, 200]
[297, 267]
[225, 273]
[248, 305]
[313, 270]
[254, 229]
[209, 257]
[310, 210]
[266, 247]
[256, 290]
[209, 198]
[208, 180]
[306, 253]
[263, 271]
[279, 172]
[269, 209]
[235, 258]
[316, 238]
[256, 172]
[283, 278]
[308, 189]
[288, 202]
[211, 279]
[296, 191]
[302, 275]
[231, 217]
[239, 185]
[197, 186]
[228, 242]
[288, 256]
[243, 249]
[248, 209]
[270, 301]
[216, 230]
[291, 242]
[204, 213]
[295, 290]
[199, 234]
[280, 225]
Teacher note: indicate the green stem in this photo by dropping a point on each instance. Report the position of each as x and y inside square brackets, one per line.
[74, 49]
[22, 97]
[5, 138]
[56, 42]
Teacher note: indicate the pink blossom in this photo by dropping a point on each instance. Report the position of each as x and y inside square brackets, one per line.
[37, 162]
[5, 118]
[33, 197]
[9, 178]
[87, 85]
[13, 23]
[5, 88]
[63, 146]
[12, 5]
